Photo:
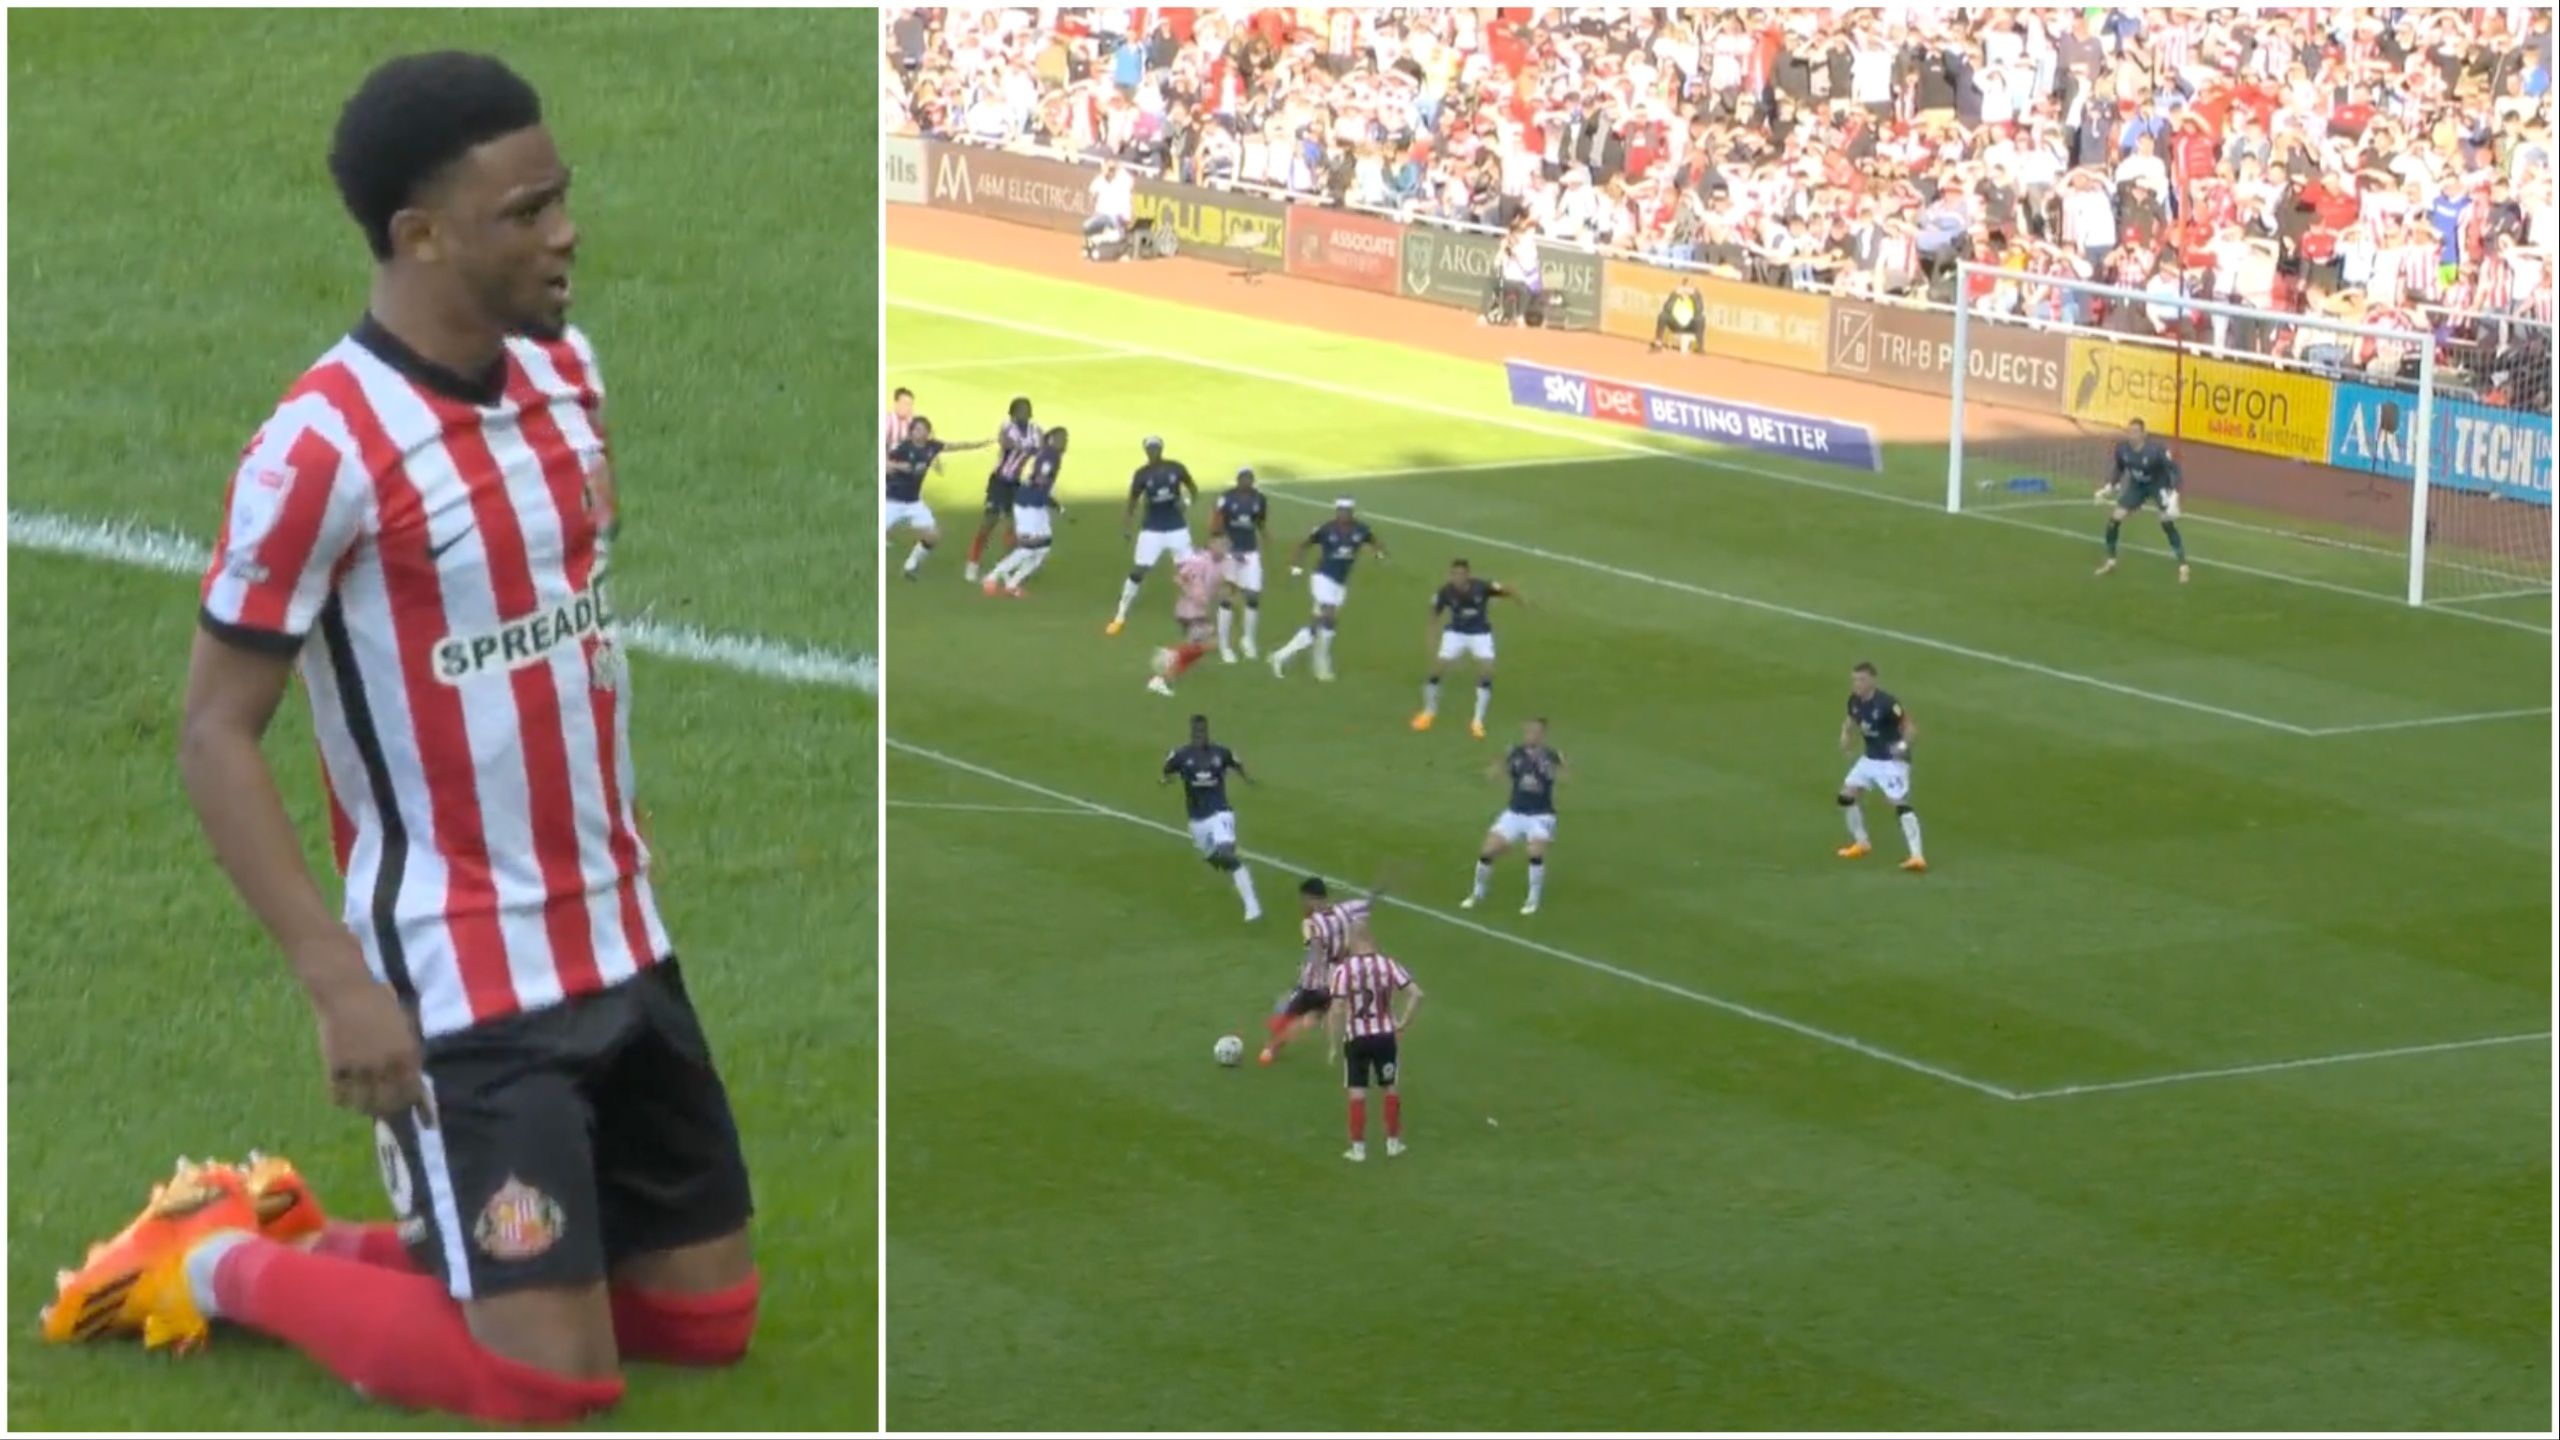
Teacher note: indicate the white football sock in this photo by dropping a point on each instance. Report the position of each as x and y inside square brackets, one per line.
[1244, 887]
[201, 1263]
[1537, 880]
[1252, 618]
[1128, 597]
[1226, 626]
[1484, 876]
[1857, 824]
[916, 556]
[1300, 641]
[1484, 699]
[1911, 831]
[1430, 697]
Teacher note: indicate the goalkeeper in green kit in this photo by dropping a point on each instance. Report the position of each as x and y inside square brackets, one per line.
[2144, 472]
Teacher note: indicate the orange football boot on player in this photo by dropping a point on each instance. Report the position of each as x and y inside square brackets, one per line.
[136, 1283]
[1422, 720]
[1916, 865]
[1855, 852]
[288, 1210]
[1115, 627]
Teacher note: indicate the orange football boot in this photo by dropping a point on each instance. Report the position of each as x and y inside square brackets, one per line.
[1855, 852]
[1916, 865]
[288, 1210]
[136, 1283]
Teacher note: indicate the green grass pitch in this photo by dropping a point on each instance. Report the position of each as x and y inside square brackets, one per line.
[176, 256]
[1734, 1134]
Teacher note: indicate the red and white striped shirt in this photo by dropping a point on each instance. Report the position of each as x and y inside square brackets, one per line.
[1328, 936]
[1364, 985]
[467, 691]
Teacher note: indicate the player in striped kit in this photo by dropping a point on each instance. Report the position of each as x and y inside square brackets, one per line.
[1017, 442]
[1035, 504]
[893, 426]
[416, 529]
[1373, 1003]
[1325, 929]
[1195, 589]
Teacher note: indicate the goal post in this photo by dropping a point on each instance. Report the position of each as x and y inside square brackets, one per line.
[2356, 458]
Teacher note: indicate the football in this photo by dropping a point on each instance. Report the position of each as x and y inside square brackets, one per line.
[1230, 1050]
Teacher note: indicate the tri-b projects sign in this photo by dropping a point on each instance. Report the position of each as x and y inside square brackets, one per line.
[2476, 447]
[1694, 417]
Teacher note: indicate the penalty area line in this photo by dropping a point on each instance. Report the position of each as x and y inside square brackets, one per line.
[2272, 1067]
[1714, 1002]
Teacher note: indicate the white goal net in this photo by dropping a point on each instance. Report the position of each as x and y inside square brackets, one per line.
[2390, 450]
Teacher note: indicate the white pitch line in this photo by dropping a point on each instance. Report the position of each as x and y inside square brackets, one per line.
[1076, 810]
[1815, 617]
[2275, 1066]
[1619, 443]
[2519, 593]
[1015, 362]
[144, 547]
[1716, 1002]
[2474, 718]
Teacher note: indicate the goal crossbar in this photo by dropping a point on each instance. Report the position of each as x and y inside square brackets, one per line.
[2422, 435]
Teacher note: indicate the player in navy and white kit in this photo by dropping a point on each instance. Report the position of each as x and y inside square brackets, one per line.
[1325, 928]
[1035, 502]
[1240, 515]
[1338, 543]
[1462, 621]
[1373, 1003]
[1202, 767]
[1533, 769]
[1017, 442]
[909, 461]
[1166, 487]
[1879, 732]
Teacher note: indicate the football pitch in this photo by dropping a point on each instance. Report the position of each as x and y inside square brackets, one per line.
[176, 257]
[2203, 1083]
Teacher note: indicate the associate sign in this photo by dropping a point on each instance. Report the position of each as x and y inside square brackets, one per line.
[1697, 417]
[2475, 447]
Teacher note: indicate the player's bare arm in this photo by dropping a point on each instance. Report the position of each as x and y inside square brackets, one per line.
[1128, 513]
[367, 1040]
[1909, 732]
[1298, 555]
[1335, 1016]
[1848, 737]
[1411, 1000]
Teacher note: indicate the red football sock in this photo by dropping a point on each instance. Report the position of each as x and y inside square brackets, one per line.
[377, 1245]
[676, 1329]
[977, 547]
[1395, 1115]
[1278, 1025]
[398, 1338]
[1359, 1118]
[1187, 656]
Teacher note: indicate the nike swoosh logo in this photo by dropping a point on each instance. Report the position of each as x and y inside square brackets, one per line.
[436, 551]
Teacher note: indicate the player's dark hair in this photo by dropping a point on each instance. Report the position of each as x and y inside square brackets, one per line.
[1313, 886]
[902, 393]
[411, 119]
[1056, 436]
[1199, 720]
[1020, 408]
[1461, 564]
[2135, 424]
[1863, 667]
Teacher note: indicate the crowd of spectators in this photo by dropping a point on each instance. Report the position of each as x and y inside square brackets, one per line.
[2386, 165]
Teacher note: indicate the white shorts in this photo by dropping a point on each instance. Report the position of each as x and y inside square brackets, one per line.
[1030, 522]
[1474, 647]
[1216, 833]
[1243, 572]
[1153, 543]
[1515, 827]
[1893, 777]
[1328, 591]
[914, 514]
